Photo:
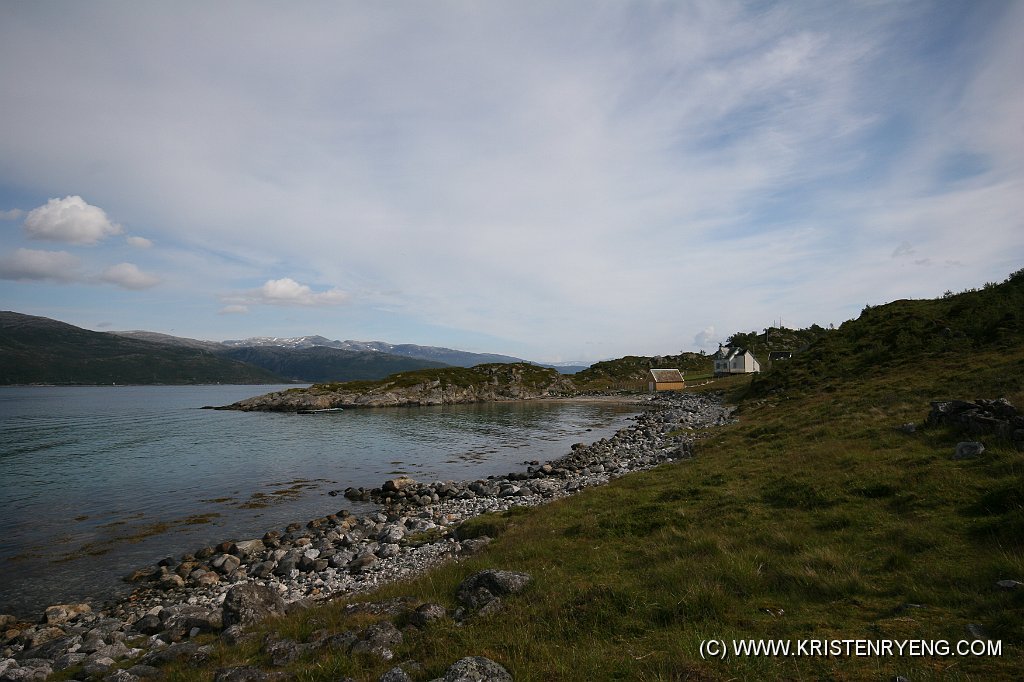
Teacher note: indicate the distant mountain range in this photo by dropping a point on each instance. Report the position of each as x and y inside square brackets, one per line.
[447, 356]
[40, 350]
[320, 364]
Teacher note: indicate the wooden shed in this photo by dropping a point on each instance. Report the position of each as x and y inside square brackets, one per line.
[666, 380]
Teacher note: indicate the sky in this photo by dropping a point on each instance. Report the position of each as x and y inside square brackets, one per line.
[552, 179]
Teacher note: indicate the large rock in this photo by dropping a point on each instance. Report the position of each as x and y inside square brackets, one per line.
[477, 669]
[249, 603]
[968, 450]
[391, 534]
[62, 613]
[283, 650]
[248, 550]
[181, 621]
[53, 648]
[379, 639]
[483, 587]
[120, 675]
[248, 673]
[41, 636]
[396, 484]
[171, 581]
[37, 672]
[427, 613]
[396, 674]
[226, 563]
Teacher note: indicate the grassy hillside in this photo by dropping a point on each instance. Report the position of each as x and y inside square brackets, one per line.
[323, 364]
[631, 372]
[909, 336]
[38, 350]
[813, 517]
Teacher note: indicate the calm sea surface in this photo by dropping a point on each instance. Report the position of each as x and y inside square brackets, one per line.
[97, 481]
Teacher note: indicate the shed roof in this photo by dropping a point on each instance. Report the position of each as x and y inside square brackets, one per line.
[664, 376]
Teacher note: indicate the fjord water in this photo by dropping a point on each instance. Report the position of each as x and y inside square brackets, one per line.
[98, 481]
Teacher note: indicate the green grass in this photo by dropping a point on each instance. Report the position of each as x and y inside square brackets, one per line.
[813, 517]
[632, 371]
[529, 376]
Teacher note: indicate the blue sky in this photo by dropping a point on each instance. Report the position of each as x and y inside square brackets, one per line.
[553, 180]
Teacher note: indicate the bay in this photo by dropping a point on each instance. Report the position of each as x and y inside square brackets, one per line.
[97, 481]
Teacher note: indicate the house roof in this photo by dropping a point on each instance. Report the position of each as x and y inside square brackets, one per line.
[728, 353]
[663, 376]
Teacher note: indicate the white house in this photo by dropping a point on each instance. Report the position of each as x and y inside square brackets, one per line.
[730, 360]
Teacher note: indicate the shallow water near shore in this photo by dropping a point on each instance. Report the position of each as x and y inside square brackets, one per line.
[97, 481]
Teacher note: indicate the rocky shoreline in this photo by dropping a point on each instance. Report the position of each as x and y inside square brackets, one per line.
[331, 556]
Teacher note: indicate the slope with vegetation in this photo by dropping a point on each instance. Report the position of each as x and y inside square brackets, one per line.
[975, 327]
[776, 339]
[816, 516]
[444, 386]
[631, 372]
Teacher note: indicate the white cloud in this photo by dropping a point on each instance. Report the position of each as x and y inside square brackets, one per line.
[138, 242]
[30, 264]
[234, 310]
[11, 214]
[128, 276]
[70, 220]
[706, 338]
[288, 292]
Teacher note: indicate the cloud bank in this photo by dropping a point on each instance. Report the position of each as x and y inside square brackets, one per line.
[543, 179]
[32, 264]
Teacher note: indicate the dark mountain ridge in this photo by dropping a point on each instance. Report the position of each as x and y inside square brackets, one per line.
[323, 363]
[38, 350]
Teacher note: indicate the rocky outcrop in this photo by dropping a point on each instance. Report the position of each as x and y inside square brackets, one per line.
[484, 383]
[980, 417]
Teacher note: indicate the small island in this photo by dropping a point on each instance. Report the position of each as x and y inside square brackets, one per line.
[483, 383]
[445, 386]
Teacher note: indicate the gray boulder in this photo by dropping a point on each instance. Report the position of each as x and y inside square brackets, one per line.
[476, 669]
[248, 603]
[182, 620]
[120, 675]
[247, 673]
[379, 639]
[427, 613]
[396, 674]
[391, 534]
[483, 587]
[283, 650]
[248, 550]
[968, 450]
